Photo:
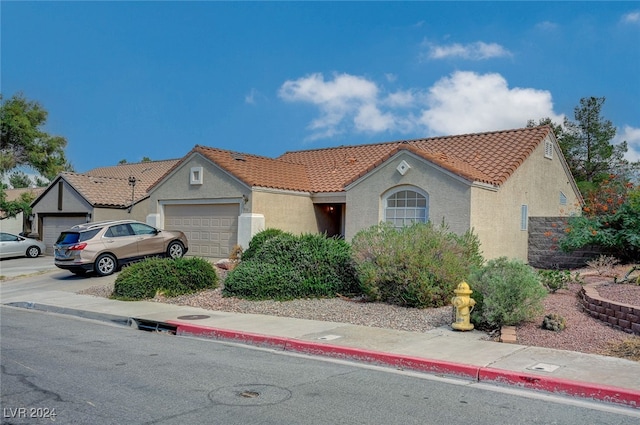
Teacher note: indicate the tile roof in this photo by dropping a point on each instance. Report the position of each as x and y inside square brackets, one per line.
[484, 157]
[260, 171]
[490, 158]
[109, 186]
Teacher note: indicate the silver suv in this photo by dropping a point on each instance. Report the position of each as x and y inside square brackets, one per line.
[105, 246]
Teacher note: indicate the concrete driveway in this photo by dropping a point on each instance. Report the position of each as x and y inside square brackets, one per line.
[22, 266]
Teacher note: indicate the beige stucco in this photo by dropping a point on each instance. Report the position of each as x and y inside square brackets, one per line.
[537, 183]
[217, 185]
[72, 203]
[288, 211]
[448, 194]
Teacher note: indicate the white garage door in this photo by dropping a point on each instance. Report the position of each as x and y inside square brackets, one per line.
[53, 225]
[211, 229]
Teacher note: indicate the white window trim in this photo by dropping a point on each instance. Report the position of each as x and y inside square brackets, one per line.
[195, 176]
[401, 189]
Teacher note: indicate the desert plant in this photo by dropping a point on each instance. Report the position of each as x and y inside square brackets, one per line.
[603, 264]
[170, 277]
[555, 280]
[286, 267]
[554, 322]
[415, 266]
[507, 292]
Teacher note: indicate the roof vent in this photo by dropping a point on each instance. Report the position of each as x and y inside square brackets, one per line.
[238, 156]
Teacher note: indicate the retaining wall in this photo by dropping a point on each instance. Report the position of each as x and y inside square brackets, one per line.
[624, 317]
[544, 253]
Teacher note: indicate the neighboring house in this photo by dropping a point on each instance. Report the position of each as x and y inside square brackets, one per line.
[100, 194]
[490, 182]
[19, 223]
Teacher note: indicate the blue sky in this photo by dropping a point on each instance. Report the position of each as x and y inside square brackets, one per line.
[127, 80]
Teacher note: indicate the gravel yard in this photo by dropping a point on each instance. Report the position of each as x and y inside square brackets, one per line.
[583, 333]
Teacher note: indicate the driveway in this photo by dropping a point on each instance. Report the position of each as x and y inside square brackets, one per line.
[22, 266]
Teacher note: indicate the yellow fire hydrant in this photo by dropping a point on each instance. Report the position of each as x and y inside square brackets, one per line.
[463, 305]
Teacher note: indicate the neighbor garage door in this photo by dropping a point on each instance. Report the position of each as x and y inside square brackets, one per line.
[53, 225]
[211, 229]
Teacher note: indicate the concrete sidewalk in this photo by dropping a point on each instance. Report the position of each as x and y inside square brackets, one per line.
[440, 351]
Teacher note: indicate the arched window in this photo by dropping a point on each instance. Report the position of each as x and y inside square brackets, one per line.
[405, 207]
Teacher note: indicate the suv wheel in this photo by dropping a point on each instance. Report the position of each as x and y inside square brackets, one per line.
[175, 250]
[105, 265]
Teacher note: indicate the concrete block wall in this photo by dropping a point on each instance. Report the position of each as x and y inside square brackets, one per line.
[624, 317]
[544, 252]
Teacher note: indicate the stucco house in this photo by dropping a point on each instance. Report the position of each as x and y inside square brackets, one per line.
[104, 193]
[493, 183]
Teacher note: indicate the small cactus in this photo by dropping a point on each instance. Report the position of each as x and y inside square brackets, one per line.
[554, 322]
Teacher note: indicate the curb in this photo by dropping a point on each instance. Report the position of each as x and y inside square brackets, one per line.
[622, 396]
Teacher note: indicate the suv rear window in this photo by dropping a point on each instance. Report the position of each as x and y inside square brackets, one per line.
[70, 238]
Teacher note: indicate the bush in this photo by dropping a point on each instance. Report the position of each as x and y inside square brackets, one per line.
[555, 280]
[285, 267]
[258, 240]
[170, 277]
[415, 266]
[507, 292]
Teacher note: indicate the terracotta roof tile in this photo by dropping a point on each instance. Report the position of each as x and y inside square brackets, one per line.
[146, 173]
[104, 191]
[486, 157]
[257, 170]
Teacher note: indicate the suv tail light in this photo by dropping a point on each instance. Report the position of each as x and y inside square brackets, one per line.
[78, 247]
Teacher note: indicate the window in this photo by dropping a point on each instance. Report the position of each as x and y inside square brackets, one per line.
[548, 149]
[524, 217]
[406, 207]
[119, 230]
[196, 175]
[563, 199]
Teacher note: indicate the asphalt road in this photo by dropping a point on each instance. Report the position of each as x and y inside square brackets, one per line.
[88, 372]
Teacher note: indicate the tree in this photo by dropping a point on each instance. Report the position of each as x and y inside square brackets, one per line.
[587, 145]
[610, 219]
[19, 179]
[23, 143]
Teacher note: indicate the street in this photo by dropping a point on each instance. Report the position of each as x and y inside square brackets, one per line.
[88, 372]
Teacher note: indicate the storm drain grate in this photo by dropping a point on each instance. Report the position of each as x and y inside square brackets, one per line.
[153, 326]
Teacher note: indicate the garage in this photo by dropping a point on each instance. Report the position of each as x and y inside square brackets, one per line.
[52, 225]
[211, 229]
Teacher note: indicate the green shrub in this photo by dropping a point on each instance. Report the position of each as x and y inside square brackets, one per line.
[507, 292]
[415, 266]
[170, 277]
[554, 280]
[258, 240]
[285, 267]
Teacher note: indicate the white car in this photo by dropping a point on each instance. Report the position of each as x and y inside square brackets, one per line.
[17, 246]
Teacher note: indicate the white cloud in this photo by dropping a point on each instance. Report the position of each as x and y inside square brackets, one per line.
[347, 98]
[632, 136]
[464, 102]
[546, 26]
[468, 102]
[472, 51]
[631, 17]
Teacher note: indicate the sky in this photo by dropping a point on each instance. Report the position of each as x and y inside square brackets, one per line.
[129, 80]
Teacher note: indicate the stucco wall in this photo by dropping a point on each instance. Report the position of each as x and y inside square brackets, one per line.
[448, 194]
[537, 183]
[138, 212]
[72, 203]
[216, 185]
[286, 211]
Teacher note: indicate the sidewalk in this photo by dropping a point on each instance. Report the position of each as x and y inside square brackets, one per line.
[441, 351]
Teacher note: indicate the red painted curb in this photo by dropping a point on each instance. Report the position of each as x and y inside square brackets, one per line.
[627, 397]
